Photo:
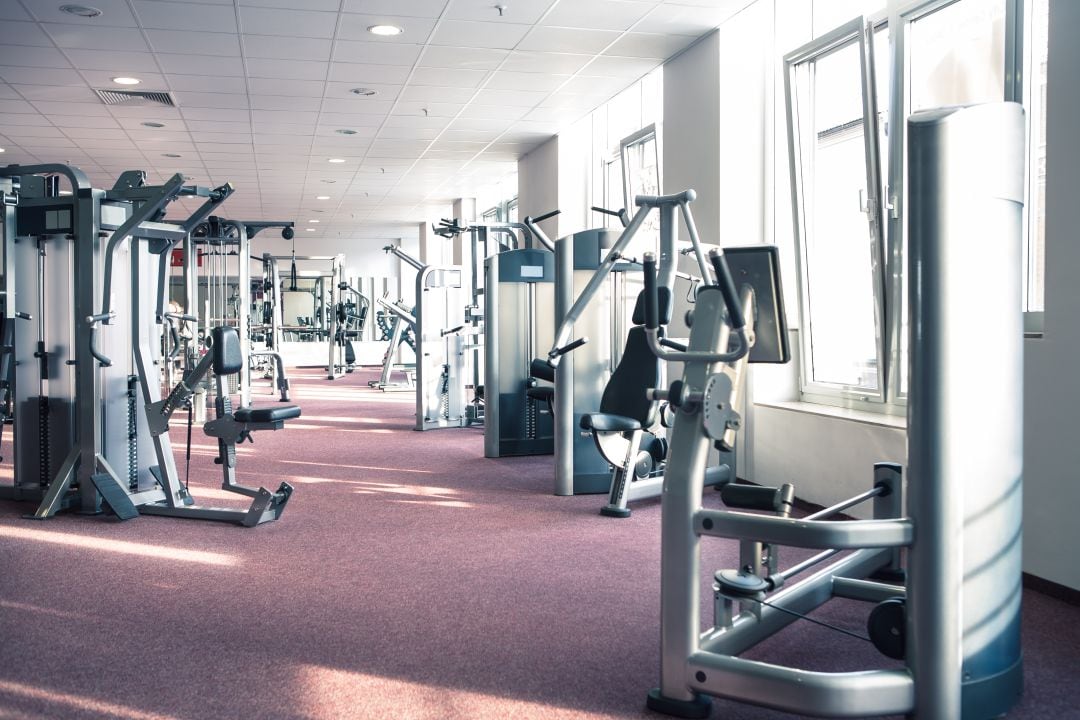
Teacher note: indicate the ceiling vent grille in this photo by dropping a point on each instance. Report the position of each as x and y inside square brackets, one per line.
[135, 97]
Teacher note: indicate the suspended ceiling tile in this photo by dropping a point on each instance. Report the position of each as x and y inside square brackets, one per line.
[479, 34]
[24, 33]
[568, 40]
[683, 20]
[185, 42]
[219, 101]
[28, 56]
[448, 77]
[39, 76]
[295, 48]
[95, 37]
[466, 58]
[531, 81]
[205, 83]
[185, 16]
[622, 67]
[287, 69]
[352, 51]
[211, 66]
[597, 14]
[364, 74]
[288, 23]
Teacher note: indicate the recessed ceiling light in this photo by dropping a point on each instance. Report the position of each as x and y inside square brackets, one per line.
[385, 30]
[3, 150]
[153, 124]
[310, 229]
[172, 155]
[313, 221]
[336, 160]
[345, 131]
[81, 10]
[363, 91]
[322, 197]
[329, 182]
[126, 80]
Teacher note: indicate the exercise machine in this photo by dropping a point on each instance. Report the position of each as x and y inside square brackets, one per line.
[398, 326]
[955, 622]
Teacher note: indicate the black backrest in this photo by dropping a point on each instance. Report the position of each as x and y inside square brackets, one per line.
[228, 357]
[665, 306]
[540, 369]
[638, 370]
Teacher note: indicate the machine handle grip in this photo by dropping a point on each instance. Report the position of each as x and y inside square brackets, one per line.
[451, 331]
[727, 288]
[559, 352]
[24, 316]
[652, 293]
[545, 216]
[181, 316]
[100, 318]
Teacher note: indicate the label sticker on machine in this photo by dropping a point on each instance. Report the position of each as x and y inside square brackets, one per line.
[532, 271]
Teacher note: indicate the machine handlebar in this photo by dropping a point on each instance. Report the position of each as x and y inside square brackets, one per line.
[652, 293]
[727, 288]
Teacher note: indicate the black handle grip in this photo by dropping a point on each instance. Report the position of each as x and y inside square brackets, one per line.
[568, 348]
[545, 216]
[652, 293]
[727, 288]
[613, 213]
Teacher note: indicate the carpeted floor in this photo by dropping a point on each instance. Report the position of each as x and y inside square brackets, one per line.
[408, 578]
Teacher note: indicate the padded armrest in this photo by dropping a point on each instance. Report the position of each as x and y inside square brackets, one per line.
[605, 422]
[271, 413]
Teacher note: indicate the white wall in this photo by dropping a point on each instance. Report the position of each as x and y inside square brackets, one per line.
[1052, 390]
[691, 131]
[538, 185]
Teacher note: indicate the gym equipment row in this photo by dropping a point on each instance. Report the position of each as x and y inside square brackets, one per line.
[84, 380]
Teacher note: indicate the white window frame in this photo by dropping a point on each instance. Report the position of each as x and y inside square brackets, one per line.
[888, 205]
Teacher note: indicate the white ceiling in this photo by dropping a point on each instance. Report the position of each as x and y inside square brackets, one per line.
[263, 86]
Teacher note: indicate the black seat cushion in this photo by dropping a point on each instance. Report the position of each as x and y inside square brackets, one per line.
[546, 393]
[605, 422]
[270, 413]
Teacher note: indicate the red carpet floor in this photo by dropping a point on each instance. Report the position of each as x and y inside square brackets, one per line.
[408, 578]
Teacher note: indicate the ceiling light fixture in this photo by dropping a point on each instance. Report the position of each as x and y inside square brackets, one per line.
[345, 131]
[385, 30]
[313, 221]
[81, 11]
[329, 182]
[336, 160]
[153, 124]
[3, 150]
[310, 229]
[322, 197]
[126, 80]
[172, 155]
[363, 91]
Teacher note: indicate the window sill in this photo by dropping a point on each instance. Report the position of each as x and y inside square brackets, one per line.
[841, 413]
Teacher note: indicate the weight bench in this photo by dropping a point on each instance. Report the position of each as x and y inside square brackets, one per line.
[233, 426]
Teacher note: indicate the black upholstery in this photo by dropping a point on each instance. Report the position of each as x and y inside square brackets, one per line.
[603, 422]
[544, 393]
[665, 306]
[638, 371]
[540, 369]
[228, 356]
[271, 413]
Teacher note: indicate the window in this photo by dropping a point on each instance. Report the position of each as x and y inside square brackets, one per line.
[841, 91]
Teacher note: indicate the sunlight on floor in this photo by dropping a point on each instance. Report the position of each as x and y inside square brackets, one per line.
[436, 503]
[27, 607]
[70, 703]
[358, 467]
[334, 419]
[332, 694]
[118, 546]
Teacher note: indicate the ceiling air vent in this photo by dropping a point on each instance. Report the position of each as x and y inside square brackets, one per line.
[135, 97]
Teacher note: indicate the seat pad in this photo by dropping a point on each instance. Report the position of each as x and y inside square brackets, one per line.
[545, 393]
[606, 422]
[271, 413]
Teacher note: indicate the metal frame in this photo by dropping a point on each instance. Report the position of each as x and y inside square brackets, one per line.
[853, 32]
